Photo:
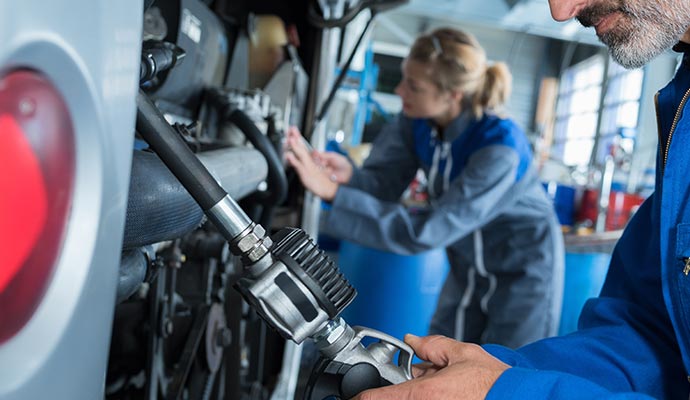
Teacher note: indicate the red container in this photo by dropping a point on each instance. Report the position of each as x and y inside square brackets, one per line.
[587, 209]
[621, 207]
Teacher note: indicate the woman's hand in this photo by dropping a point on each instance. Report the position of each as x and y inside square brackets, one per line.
[454, 370]
[337, 166]
[314, 175]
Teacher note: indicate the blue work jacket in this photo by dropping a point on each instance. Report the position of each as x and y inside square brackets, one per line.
[483, 180]
[488, 210]
[633, 341]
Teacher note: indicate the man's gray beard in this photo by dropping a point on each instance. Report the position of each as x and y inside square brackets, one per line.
[633, 47]
[635, 52]
[639, 46]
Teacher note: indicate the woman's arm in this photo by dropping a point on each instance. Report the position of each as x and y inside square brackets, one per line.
[476, 196]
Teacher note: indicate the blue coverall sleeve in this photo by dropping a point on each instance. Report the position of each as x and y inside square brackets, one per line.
[625, 341]
[392, 164]
[477, 195]
[522, 383]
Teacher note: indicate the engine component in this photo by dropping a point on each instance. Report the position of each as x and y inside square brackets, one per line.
[295, 287]
[255, 104]
[240, 116]
[155, 27]
[218, 336]
[159, 208]
[157, 57]
[133, 266]
[196, 29]
[277, 182]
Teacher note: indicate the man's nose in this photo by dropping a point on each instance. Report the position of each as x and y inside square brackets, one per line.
[562, 10]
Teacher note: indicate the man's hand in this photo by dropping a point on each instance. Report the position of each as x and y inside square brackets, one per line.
[454, 370]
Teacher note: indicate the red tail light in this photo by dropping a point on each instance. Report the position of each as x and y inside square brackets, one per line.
[37, 167]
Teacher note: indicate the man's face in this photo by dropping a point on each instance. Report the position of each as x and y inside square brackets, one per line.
[634, 30]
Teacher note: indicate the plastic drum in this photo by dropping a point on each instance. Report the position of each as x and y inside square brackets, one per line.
[397, 294]
[584, 277]
[563, 198]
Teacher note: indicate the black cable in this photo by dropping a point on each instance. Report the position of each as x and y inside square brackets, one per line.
[343, 72]
[276, 179]
[173, 150]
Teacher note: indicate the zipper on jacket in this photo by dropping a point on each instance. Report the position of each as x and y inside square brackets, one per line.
[686, 270]
[673, 126]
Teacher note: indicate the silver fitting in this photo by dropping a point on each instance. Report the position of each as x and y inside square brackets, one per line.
[252, 243]
[333, 337]
[229, 218]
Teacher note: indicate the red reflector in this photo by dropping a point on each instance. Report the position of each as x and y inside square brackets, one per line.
[22, 209]
[37, 161]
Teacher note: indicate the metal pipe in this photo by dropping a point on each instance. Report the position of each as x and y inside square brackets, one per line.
[604, 193]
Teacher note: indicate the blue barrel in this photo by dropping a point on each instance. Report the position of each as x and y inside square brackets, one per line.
[584, 277]
[396, 294]
[563, 198]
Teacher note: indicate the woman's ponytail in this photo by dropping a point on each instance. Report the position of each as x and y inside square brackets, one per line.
[495, 91]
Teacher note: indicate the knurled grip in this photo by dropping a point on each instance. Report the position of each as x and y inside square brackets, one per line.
[314, 268]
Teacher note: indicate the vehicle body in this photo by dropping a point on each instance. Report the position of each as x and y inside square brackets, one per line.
[93, 62]
[117, 286]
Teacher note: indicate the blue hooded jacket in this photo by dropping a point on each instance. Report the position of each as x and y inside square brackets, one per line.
[488, 210]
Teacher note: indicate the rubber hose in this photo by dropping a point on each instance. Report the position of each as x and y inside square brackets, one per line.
[276, 180]
[173, 150]
[159, 208]
[133, 266]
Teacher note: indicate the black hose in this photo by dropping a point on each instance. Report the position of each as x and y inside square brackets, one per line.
[276, 179]
[133, 266]
[173, 150]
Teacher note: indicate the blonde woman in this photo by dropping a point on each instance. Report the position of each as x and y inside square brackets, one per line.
[487, 208]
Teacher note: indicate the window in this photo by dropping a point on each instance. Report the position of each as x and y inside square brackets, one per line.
[578, 113]
[620, 111]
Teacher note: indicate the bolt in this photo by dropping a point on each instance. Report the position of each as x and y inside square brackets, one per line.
[167, 328]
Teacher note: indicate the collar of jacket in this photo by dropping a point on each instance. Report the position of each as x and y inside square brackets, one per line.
[670, 103]
[456, 127]
[682, 47]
